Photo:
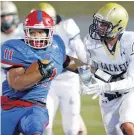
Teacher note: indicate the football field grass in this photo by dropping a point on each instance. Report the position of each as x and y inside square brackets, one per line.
[90, 112]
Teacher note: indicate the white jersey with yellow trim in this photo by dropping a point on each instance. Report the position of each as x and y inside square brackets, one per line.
[17, 34]
[121, 60]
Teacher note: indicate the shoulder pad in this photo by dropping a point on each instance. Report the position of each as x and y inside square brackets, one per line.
[127, 42]
[71, 28]
[127, 39]
[91, 43]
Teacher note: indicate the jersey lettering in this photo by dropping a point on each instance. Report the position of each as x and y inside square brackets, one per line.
[114, 67]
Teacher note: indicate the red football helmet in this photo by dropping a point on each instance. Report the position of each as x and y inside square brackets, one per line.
[38, 20]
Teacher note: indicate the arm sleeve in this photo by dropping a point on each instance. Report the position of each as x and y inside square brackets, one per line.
[128, 82]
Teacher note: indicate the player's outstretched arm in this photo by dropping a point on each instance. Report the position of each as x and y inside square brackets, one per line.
[72, 64]
[21, 79]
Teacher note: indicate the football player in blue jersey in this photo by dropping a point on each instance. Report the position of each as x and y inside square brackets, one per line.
[30, 65]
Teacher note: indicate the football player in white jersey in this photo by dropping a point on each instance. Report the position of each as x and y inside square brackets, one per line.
[112, 48]
[64, 90]
[10, 27]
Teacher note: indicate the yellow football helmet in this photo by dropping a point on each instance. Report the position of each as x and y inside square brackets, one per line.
[49, 9]
[109, 22]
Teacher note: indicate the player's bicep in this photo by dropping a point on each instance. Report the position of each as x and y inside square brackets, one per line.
[13, 74]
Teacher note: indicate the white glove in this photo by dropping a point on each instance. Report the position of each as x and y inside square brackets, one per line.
[84, 89]
[92, 84]
[85, 74]
[98, 88]
[86, 77]
[94, 88]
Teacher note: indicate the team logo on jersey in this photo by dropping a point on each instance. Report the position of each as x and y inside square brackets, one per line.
[114, 67]
[45, 84]
[123, 53]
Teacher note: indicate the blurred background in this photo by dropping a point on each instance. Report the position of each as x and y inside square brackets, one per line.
[82, 13]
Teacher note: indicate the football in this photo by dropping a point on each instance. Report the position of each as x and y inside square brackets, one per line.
[34, 66]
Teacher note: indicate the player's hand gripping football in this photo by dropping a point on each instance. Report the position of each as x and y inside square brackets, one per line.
[46, 69]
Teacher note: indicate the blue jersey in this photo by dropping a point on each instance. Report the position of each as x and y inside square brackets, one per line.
[17, 53]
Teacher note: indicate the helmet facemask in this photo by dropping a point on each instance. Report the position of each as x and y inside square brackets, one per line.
[36, 41]
[103, 30]
[7, 24]
[9, 16]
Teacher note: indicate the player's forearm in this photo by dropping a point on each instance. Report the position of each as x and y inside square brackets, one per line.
[26, 81]
[19, 79]
[72, 67]
[124, 84]
[74, 64]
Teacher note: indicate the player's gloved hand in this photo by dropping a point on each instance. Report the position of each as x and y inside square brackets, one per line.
[86, 78]
[84, 89]
[98, 88]
[85, 74]
[46, 70]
